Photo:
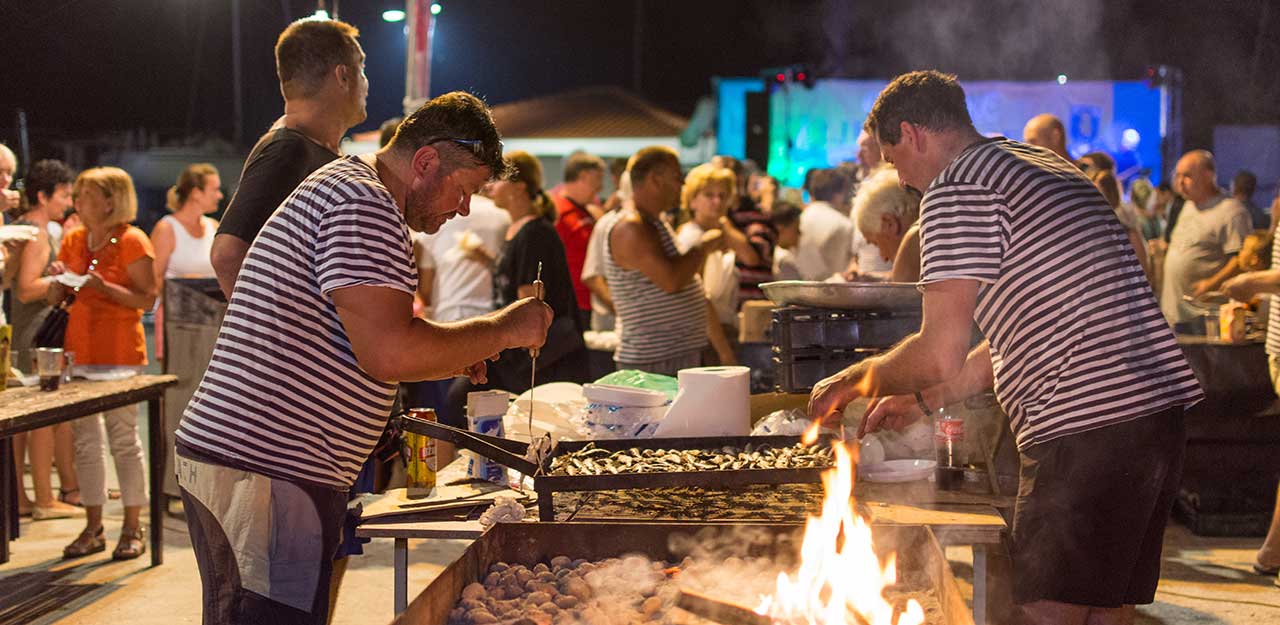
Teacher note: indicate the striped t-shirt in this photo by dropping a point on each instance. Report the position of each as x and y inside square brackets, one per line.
[656, 325]
[283, 395]
[1077, 340]
[1273, 310]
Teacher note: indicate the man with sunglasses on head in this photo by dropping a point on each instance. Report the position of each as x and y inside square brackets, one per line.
[316, 338]
[321, 70]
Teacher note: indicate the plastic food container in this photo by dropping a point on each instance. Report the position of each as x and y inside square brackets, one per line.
[622, 411]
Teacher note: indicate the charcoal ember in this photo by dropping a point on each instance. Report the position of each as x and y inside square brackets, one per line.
[524, 621]
[560, 562]
[499, 567]
[458, 615]
[492, 580]
[474, 590]
[548, 587]
[540, 568]
[579, 562]
[545, 576]
[576, 587]
[566, 601]
[523, 575]
[472, 604]
[592, 615]
[650, 606]
[549, 608]
[563, 573]
[481, 617]
[513, 591]
[538, 598]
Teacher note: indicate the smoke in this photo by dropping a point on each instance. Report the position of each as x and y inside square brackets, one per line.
[976, 39]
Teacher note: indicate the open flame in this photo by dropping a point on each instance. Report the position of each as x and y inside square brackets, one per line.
[840, 580]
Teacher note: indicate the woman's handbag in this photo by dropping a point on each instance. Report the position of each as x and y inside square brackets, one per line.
[53, 330]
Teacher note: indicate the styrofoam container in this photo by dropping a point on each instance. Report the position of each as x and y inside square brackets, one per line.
[622, 411]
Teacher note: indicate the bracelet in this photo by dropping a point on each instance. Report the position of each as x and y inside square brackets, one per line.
[923, 406]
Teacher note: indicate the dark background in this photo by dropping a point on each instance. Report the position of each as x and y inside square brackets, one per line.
[81, 68]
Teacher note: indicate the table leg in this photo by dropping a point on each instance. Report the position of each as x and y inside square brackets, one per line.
[980, 584]
[401, 575]
[8, 499]
[546, 505]
[155, 440]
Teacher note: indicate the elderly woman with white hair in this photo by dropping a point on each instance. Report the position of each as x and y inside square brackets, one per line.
[887, 214]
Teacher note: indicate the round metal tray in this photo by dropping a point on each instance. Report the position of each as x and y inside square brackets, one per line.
[845, 295]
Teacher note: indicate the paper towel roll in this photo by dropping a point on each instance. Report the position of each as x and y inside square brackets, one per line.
[713, 401]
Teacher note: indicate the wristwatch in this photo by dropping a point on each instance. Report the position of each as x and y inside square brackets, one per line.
[923, 406]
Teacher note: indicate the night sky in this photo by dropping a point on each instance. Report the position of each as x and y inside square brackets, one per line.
[83, 67]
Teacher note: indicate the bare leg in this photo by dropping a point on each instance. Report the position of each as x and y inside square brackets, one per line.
[1054, 613]
[132, 517]
[335, 583]
[40, 448]
[1111, 616]
[20, 463]
[1269, 553]
[64, 457]
[93, 517]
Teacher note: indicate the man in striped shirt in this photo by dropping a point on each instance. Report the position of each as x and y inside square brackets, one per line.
[1016, 239]
[319, 331]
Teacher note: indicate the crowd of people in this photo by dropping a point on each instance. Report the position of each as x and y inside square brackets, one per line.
[347, 275]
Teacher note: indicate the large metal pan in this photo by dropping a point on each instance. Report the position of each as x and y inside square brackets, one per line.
[844, 295]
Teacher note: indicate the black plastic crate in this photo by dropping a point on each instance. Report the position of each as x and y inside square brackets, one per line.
[797, 371]
[1231, 513]
[799, 327]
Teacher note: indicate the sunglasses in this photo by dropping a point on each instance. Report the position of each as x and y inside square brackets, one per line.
[476, 146]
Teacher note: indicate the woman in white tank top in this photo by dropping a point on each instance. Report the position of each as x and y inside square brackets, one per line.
[183, 240]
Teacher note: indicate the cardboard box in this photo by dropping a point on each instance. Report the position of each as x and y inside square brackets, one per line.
[754, 321]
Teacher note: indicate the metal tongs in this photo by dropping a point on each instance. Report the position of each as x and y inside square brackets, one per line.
[501, 450]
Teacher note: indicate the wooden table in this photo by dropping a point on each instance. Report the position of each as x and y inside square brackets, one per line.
[28, 408]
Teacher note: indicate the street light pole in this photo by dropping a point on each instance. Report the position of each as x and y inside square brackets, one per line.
[417, 74]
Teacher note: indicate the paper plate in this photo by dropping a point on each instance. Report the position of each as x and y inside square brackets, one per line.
[898, 471]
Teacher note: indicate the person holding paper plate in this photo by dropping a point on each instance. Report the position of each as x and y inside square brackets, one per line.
[48, 191]
[104, 327]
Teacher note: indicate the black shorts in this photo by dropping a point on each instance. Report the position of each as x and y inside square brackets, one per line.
[1091, 512]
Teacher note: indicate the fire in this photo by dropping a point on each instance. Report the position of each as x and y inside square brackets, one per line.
[840, 580]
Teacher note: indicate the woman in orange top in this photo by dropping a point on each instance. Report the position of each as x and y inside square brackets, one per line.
[104, 327]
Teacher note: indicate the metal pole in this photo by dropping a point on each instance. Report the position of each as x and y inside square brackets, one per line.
[237, 76]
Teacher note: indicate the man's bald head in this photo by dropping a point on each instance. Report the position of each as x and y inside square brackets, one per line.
[1196, 176]
[1046, 130]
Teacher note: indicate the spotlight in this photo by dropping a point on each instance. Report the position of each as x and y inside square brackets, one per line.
[393, 15]
[1062, 79]
[436, 8]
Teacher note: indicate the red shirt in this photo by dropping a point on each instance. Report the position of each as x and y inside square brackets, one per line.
[574, 225]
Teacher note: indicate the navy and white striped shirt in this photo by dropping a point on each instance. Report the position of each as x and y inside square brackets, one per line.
[1077, 340]
[283, 394]
[656, 325]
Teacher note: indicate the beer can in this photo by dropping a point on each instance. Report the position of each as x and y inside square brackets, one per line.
[420, 451]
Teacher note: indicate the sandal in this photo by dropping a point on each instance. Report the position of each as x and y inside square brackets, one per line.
[132, 544]
[88, 542]
[70, 496]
